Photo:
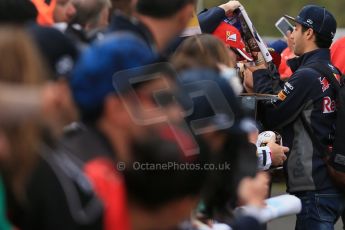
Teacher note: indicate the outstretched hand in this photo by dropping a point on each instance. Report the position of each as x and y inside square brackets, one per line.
[254, 191]
[230, 6]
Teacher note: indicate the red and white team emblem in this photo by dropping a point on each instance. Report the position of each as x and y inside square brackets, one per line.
[328, 105]
[324, 83]
[230, 36]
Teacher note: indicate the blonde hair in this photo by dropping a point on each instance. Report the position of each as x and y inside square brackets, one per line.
[201, 51]
[21, 62]
[21, 65]
[89, 11]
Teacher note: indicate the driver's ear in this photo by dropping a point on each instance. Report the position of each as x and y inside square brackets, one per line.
[309, 33]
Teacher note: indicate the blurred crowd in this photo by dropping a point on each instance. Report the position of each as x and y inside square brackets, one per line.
[109, 119]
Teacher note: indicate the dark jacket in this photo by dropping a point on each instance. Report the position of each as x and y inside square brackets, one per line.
[209, 19]
[214, 103]
[308, 92]
[122, 23]
[59, 194]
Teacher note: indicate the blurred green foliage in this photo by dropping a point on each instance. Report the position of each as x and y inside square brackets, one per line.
[265, 13]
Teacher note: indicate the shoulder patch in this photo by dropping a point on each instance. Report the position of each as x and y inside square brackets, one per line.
[282, 95]
[324, 83]
[288, 88]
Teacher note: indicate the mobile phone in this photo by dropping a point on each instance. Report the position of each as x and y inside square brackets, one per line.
[283, 25]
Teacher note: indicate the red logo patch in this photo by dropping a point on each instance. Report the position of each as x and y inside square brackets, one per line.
[325, 84]
[328, 105]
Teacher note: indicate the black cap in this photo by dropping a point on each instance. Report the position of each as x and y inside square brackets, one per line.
[317, 18]
[58, 50]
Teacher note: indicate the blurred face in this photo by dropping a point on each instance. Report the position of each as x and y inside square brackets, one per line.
[298, 39]
[133, 115]
[102, 21]
[233, 57]
[104, 18]
[58, 106]
[248, 82]
[169, 108]
[182, 18]
[64, 11]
